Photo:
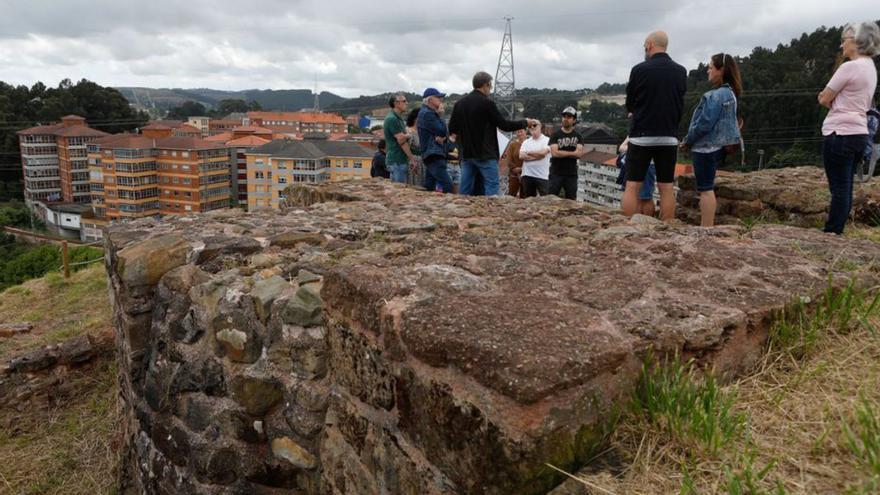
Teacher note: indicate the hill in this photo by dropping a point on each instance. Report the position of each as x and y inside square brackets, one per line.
[269, 99]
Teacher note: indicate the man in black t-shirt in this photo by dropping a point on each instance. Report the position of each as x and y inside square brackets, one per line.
[566, 146]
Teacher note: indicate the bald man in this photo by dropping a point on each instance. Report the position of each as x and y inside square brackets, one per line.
[655, 99]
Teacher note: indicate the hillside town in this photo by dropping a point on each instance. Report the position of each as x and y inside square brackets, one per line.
[79, 180]
[454, 283]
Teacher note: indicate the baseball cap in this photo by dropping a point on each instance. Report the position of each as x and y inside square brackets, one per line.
[433, 92]
[570, 111]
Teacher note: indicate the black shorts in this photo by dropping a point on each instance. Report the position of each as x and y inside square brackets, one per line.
[638, 158]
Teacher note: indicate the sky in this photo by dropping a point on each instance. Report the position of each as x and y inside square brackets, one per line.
[360, 47]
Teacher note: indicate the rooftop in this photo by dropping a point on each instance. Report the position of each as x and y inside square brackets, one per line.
[312, 149]
[311, 117]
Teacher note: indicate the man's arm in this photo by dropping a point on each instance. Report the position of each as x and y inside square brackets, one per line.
[630, 91]
[500, 122]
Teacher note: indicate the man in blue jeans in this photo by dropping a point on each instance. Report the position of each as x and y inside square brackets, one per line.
[474, 121]
[433, 137]
[399, 158]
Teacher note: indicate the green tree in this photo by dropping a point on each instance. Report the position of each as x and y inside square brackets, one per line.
[186, 110]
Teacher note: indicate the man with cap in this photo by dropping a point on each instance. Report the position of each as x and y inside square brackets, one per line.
[566, 146]
[433, 136]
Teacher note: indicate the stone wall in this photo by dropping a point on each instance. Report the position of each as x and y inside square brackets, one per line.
[796, 196]
[373, 339]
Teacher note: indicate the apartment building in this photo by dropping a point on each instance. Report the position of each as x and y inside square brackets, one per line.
[135, 176]
[201, 123]
[54, 161]
[597, 179]
[274, 166]
[299, 122]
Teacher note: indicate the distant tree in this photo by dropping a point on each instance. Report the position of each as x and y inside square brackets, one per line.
[14, 214]
[611, 89]
[225, 107]
[103, 108]
[254, 106]
[186, 110]
[612, 114]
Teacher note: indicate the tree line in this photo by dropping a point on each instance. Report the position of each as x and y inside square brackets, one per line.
[22, 107]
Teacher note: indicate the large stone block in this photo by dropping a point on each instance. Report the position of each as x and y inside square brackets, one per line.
[448, 344]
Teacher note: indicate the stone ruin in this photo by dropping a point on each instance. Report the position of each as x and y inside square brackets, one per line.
[374, 339]
[795, 196]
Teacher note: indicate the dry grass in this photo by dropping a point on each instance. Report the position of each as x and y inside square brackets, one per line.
[797, 409]
[66, 448]
[59, 308]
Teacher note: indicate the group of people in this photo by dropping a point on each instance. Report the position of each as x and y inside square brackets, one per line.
[540, 164]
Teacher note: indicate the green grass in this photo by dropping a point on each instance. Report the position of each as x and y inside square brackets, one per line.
[58, 308]
[862, 434]
[798, 330]
[694, 411]
[746, 479]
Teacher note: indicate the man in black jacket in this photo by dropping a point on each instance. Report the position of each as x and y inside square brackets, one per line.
[474, 121]
[655, 98]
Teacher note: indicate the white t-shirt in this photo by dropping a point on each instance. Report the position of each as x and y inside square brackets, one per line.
[539, 168]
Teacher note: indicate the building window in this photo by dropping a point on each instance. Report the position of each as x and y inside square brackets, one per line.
[282, 179]
[184, 154]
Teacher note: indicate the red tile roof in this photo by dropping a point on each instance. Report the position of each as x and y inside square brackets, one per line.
[247, 141]
[126, 141]
[316, 117]
[170, 123]
[137, 141]
[220, 138]
[79, 131]
[62, 130]
[250, 129]
[156, 126]
[187, 143]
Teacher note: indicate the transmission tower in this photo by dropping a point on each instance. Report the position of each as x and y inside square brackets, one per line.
[505, 87]
[317, 105]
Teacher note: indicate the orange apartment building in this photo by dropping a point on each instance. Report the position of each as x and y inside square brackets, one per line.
[239, 142]
[136, 176]
[54, 161]
[299, 122]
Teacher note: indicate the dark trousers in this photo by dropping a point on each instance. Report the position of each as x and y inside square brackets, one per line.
[567, 182]
[532, 186]
[436, 173]
[839, 154]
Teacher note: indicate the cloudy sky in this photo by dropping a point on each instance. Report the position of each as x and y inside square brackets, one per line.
[363, 47]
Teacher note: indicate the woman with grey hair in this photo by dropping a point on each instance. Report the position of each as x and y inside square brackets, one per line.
[848, 95]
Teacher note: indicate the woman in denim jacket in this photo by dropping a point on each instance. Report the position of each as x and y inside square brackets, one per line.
[713, 127]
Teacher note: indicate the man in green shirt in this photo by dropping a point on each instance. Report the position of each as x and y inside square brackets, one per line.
[399, 157]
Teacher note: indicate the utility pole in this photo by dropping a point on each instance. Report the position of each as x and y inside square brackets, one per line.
[505, 86]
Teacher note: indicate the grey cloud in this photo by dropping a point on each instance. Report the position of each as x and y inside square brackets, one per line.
[361, 48]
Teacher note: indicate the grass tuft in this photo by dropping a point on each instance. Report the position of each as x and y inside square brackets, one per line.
[696, 412]
[799, 329]
[862, 434]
